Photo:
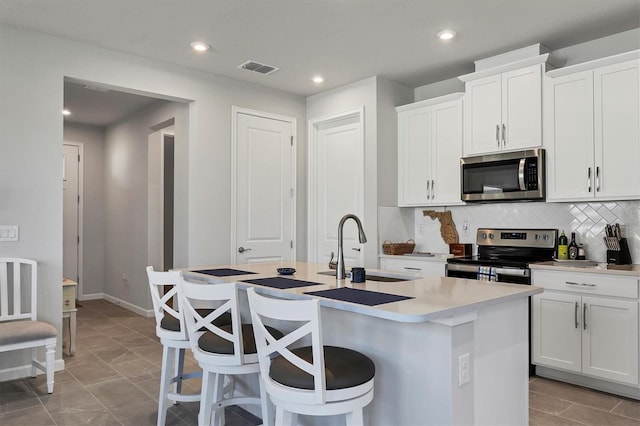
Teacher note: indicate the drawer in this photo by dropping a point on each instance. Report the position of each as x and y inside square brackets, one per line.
[68, 298]
[414, 266]
[585, 283]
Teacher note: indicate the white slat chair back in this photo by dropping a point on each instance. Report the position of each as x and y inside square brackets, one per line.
[306, 312]
[193, 295]
[157, 282]
[12, 289]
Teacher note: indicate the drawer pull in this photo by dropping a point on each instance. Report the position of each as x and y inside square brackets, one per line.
[584, 316]
[412, 269]
[576, 315]
[580, 284]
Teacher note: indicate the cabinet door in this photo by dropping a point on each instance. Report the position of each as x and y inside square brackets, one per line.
[617, 131]
[557, 330]
[522, 108]
[610, 339]
[569, 136]
[483, 115]
[447, 150]
[414, 157]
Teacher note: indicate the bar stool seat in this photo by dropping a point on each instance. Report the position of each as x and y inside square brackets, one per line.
[339, 368]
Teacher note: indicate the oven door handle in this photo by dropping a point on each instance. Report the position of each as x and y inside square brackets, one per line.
[461, 267]
[514, 272]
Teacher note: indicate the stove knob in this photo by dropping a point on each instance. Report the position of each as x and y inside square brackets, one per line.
[537, 237]
[491, 236]
[545, 237]
[484, 235]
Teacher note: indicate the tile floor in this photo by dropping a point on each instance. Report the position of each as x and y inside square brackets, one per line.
[113, 380]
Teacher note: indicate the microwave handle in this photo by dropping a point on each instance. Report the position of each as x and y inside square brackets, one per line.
[521, 175]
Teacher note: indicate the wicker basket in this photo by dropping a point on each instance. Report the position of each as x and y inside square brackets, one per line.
[398, 248]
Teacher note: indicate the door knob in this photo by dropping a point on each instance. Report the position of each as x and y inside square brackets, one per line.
[242, 249]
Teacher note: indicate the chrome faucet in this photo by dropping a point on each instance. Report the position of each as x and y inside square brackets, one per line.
[341, 272]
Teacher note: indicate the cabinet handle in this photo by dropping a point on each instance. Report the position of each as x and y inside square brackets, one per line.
[580, 284]
[498, 134]
[428, 189]
[598, 179]
[589, 178]
[584, 316]
[412, 269]
[575, 315]
[504, 135]
[433, 189]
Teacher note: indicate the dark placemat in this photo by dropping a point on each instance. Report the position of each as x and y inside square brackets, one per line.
[281, 282]
[224, 272]
[362, 297]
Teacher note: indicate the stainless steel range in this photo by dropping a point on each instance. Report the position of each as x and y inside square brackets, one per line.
[504, 255]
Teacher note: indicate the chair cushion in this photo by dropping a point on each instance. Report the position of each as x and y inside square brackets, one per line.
[172, 324]
[23, 331]
[213, 343]
[344, 368]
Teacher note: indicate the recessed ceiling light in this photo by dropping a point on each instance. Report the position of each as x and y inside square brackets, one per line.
[446, 34]
[66, 112]
[317, 79]
[200, 47]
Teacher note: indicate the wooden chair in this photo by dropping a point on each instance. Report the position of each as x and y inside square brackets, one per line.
[172, 332]
[312, 380]
[19, 327]
[220, 351]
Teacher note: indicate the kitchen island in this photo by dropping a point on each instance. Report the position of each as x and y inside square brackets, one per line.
[455, 351]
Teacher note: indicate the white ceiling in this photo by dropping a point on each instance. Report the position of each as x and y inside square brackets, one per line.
[344, 40]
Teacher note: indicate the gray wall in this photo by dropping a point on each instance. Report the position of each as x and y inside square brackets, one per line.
[92, 139]
[33, 69]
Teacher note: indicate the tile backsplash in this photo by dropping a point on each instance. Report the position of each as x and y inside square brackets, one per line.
[587, 220]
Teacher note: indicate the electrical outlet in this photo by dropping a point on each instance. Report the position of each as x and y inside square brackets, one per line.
[420, 230]
[464, 369]
[465, 227]
[125, 279]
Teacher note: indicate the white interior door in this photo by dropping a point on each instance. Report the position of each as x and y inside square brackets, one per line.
[339, 187]
[71, 204]
[264, 188]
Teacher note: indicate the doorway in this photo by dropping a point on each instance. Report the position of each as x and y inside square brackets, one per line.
[160, 196]
[72, 212]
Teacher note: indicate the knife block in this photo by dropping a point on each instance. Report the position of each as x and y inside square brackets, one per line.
[622, 256]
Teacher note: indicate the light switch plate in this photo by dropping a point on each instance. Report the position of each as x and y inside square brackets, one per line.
[9, 233]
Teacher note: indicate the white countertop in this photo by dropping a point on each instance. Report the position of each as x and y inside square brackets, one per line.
[433, 297]
[600, 268]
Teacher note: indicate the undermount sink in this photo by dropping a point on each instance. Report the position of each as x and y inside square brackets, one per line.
[372, 277]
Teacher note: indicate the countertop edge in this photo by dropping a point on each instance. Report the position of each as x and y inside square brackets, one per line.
[620, 270]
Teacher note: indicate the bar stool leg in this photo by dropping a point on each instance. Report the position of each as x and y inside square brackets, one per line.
[179, 371]
[168, 359]
[355, 418]
[206, 398]
[218, 417]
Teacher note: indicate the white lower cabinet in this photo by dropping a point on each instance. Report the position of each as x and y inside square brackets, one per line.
[421, 267]
[587, 324]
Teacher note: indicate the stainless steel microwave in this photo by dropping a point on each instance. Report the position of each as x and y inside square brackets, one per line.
[507, 176]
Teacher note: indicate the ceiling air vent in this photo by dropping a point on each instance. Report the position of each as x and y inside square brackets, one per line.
[258, 67]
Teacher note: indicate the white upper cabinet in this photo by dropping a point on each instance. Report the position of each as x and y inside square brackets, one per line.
[429, 151]
[592, 130]
[504, 111]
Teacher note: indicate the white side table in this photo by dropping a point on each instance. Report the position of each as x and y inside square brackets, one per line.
[69, 311]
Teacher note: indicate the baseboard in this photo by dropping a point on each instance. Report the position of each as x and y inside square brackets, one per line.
[589, 382]
[94, 296]
[24, 371]
[128, 306]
